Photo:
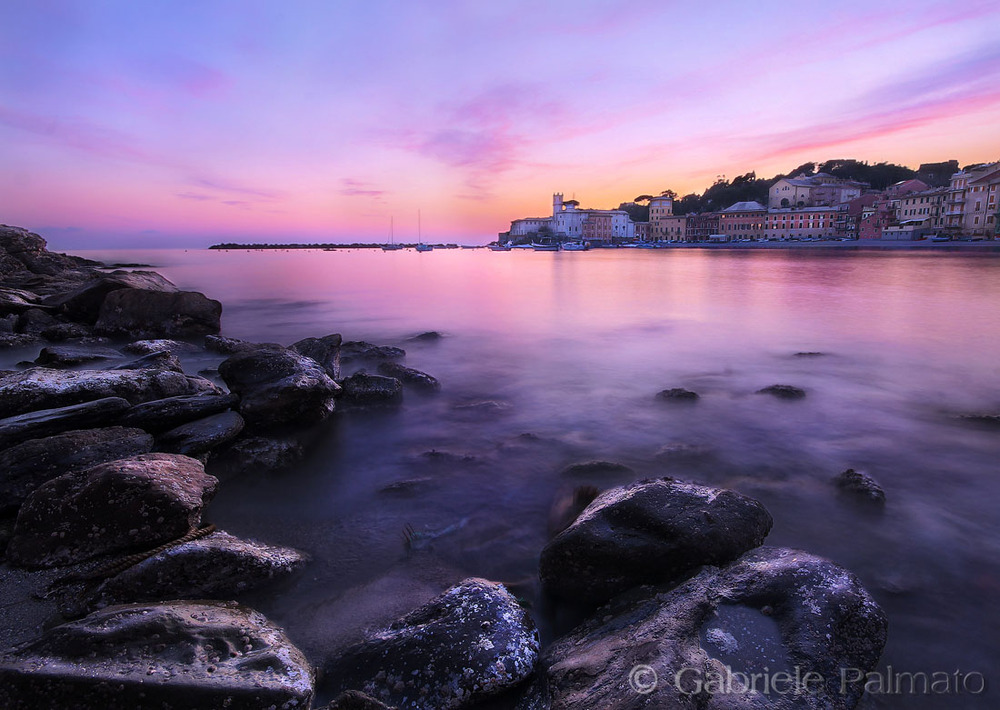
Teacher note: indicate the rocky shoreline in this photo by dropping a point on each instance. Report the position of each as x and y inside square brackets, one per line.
[111, 454]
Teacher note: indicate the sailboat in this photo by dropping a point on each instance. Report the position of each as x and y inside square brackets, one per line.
[420, 242]
[391, 246]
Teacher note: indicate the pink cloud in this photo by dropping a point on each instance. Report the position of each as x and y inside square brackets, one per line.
[358, 188]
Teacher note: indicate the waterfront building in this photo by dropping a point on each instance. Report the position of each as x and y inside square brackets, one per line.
[699, 226]
[849, 215]
[568, 220]
[968, 210]
[529, 226]
[806, 223]
[641, 231]
[819, 190]
[661, 211]
[743, 220]
[923, 210]
[673, 228]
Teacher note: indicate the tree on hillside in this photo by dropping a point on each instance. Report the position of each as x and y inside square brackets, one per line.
[637, 213]
[669, 193]
[643, 198]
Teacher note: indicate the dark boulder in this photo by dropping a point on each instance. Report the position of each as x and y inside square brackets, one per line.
[430, 336]
[43, 388]
[162, 360]
[18, 340]
[22, 251]
[408, 376]
[57, 356]
[568, 505]
[46, 422]
[148, 347]
[190, 655]
[325, 351]
[25, 467]
[359, 350]
[646, 532]
[120, 506]
[861, 487]
[354, 700]
[678, 394]
[777, 612]
[231, 346]
[83, 303]
[35, 321]
[362, 388]
[260, 453]
[61, 332]
[217, 566]
[783, 391]
[157, 314]
[161, 415]
[202, 435]
[15, 300]
[279, 387]
[469, 644]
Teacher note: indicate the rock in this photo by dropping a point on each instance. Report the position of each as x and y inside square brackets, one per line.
[116, 507]
[362, 388]
[783, 391]
[597, 468]
[162, 414]
[7, 324]
[430, 336]
[14, 300]
[148, 347]
[809, 354]
[217, 566]
[190, 655]
[279, 387]
[646, 532]
[202, 435]
[469, 644]
[325, 351]
[163, 360]
[231, 346]
[61, 332]
[42, 388]
[355, 350]
[774, 611]
[986, 420]
[24, 251]
[678, 394]
[353, 700]
[155, 314]
[567, 507]
[25, 467]
[261, 453]
[18, 340]
[408, 376]
[34, 320]
[69, 355]
[83, 304]
[46, 422]
[861, 486]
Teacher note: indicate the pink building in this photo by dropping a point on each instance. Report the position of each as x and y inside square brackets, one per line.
[598, 226]
[744, 220]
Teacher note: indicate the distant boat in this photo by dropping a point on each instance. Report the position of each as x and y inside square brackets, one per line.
[499, 247]
[574, 246]
[391, 246]
[544, 247]
[420, 240]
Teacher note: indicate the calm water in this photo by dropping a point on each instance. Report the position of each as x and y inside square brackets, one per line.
[560, 357]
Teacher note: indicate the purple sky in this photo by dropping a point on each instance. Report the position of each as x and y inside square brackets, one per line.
[182, 123]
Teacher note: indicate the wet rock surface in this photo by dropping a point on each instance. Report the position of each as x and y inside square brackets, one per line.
[191, 655]
[154, 314]
[260, 453]
[121, 506]
[218, 566]
[84, 303]
[230, 346]
[69, 355]
[46, 422]
[202, 435]
[354, 351]
[650, 531]
[162, 360]
[147, 347]
[773, 607]
[279, 387]
[362, 388]
[355, 700]
[860, 487]
[420, 381]
[471, 643]
[43, 388]
[25, 467]
[163, 414]
[325, 351]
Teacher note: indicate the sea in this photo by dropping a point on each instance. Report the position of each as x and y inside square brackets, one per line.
[551, 359]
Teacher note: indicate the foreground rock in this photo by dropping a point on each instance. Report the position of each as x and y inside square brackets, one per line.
[69, 355]
[42, 388]
[279, 387]
[147, 347]
[861, 487]
[774, 611]
[83, 304]
[362, 388]
[201, 436]
[354, 700]
[416, 379]
[359, 350]
[231, 346]
[163, 414]
[191, 655]
[46, 422]
[471, 643]
[117, 507]
[158, 314]
[218, 566]
[25, 467]
[23, 254]
[646, 532]
[325, 351]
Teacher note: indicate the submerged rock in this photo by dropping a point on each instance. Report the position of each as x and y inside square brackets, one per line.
[646, 532]
[25, 467]
[355, 350]
[678, 394]
[362, 388]
[860, 486]
[325, 351]
[260, 453]
[140, 313]
[46, 422]
[162, 360]
[231, 346]
[279, 387]
[774, 611]
[163, 414]
[217, 566]
[783, 391]
[119, 506]
[408, 376]
[42, 388]
[191, 655]
[202, 435]
[69, 355]
[430, 336]
[469, 644]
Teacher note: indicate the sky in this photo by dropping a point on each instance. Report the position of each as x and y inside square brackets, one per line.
[162, 124]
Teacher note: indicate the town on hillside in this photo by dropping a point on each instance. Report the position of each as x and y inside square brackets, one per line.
[804, 207]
